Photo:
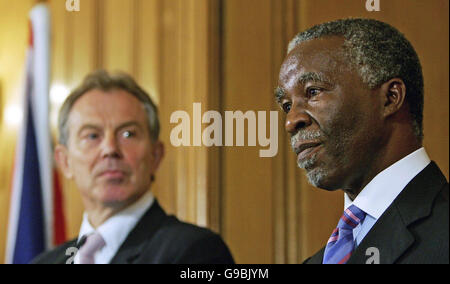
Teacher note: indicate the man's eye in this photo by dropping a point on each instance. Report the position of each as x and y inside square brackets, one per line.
[92, 136]
[286, 107]
[128, 134]
[311, 92]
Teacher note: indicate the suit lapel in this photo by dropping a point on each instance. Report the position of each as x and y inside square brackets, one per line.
[316, 259]
[131, 249]
[65, 252]
[390, 234]
[389, 239]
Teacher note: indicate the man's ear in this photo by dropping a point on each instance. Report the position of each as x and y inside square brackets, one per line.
[62, 160]
[393, 96]
[157, 155]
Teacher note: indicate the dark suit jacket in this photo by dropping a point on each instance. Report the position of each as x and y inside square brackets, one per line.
[159, 238]
[414, 229]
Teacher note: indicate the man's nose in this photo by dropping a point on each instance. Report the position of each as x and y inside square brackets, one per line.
[297, 119]
[110, 147]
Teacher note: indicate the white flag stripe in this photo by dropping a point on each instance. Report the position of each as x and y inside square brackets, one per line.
[40, 19]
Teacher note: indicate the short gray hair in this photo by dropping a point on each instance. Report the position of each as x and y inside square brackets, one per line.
[379, 52]
[104, 81]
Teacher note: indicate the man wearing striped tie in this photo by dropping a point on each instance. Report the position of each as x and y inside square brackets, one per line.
[352, 91]
[109, 146]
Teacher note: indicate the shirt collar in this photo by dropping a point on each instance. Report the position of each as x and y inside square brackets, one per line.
[116, 229]
[381, 191]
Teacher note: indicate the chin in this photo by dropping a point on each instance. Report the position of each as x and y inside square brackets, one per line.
[116, 196]
[320, 178]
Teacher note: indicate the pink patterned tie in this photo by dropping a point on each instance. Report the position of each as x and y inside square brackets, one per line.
[340, 245]
[93, 244]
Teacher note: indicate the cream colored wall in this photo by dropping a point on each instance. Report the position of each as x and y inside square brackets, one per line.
[225, 54]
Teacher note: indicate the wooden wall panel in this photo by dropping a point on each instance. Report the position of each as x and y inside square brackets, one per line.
[119, 35]
[187, 75]
[247, 85]
[148, 47]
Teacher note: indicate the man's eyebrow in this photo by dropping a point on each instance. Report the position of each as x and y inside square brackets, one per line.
[279, 94]
[303, 79]
[88, 126]
[129, 123]
[97, 127]
[313, 77]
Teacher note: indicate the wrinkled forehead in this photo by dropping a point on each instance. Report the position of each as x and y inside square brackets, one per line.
[107, 107]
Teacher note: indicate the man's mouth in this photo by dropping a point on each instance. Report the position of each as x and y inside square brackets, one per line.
[305, 150]
[113, 174]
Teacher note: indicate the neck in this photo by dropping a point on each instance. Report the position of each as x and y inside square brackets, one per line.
[398, 147]
[99, 212]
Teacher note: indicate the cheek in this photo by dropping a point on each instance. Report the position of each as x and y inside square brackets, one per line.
[139, 159]
[355, 130]
[81, 172]
[341, 125]
[333, 118]
[82, 162]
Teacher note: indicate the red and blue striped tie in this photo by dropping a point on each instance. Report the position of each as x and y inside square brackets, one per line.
[340, 245]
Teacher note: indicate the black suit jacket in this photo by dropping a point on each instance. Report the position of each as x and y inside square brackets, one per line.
[158, 238]
[415, 227]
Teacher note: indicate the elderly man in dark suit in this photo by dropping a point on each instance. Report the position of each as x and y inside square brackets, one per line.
[109, 147]
[352, 91]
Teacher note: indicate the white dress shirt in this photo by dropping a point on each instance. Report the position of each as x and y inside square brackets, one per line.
[116, 229]
[381, 191]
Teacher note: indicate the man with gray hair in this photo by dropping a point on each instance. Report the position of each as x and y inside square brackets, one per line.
[352, 91]
[109, 146]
